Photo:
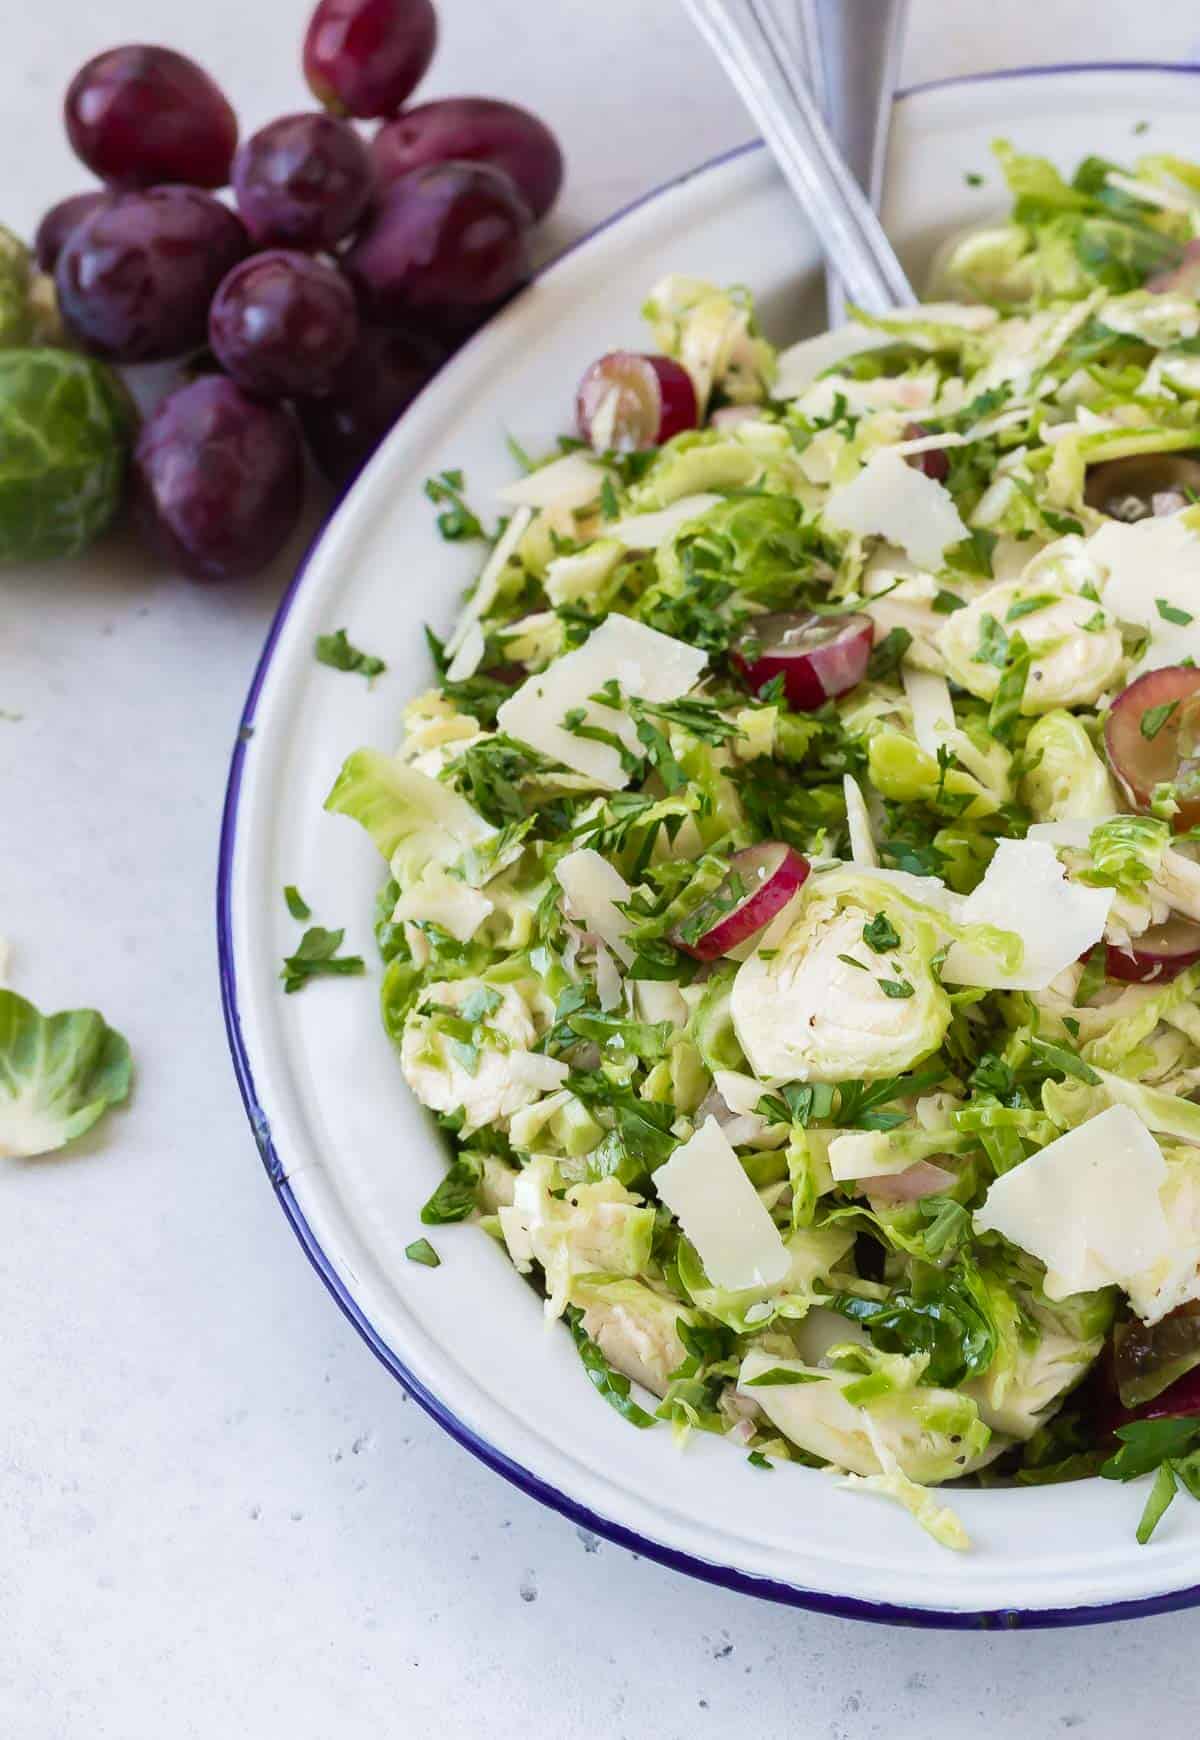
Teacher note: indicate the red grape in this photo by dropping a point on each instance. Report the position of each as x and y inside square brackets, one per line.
[283, 324]
[1142, 485]
[817, 656]
[474, 130]
[933, 462]
[451, 233]
[219, 480]
[626, 401]
[761, 881]
[1157, 955]
[141, 115]
[60, 220]
[304, 181]
[384, 374]
[1152, 737]
[366, 57]
[135, 279]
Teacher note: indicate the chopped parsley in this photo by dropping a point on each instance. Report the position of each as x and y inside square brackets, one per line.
[756, 1459]
[1027, 606]
[895, 987]
[339, 654]
[1170, 1450]
[317, 958]
[993, 643]
[613, 1385]
[456, 522]
[946, 602]
[609, 508]
[880, 934]
[1154, 718]
[887, 656]
[296, 903]
[1172, 613]
[421, 1251]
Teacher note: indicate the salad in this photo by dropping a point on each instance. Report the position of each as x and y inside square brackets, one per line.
[793, 908]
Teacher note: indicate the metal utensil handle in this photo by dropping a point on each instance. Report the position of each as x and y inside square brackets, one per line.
[850, 53]
[750, 45]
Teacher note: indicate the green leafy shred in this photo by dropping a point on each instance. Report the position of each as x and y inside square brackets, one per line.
[296, 903]
[613, 1385]
[421, 1251]
[317, 958]
[337, 652]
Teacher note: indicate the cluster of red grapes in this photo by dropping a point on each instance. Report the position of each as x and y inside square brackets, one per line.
[345, 276]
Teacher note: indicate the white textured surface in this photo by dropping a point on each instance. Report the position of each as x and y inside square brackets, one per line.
[218, 1515]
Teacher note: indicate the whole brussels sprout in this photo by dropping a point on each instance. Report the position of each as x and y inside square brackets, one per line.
[65, 432]
[16, 276]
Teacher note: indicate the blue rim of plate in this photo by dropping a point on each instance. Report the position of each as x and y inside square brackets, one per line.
[786, 1594]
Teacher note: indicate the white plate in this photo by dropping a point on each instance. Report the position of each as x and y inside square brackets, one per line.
[350, 1153]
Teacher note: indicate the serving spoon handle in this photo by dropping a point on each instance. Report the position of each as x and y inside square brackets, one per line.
[850, 53]
[755, 52]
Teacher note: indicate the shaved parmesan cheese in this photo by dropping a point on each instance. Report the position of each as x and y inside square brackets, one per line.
[932, 709]
[1087, 1205]
[801, 363]
[592, 888]
[862, 840]
[1153, 559]
[469, 656]
[708, 1192]
[647, 664]
[648, 531]
[531, 1070]
[1025, 890]
[570, 482]
[892, 500]
[488, 584]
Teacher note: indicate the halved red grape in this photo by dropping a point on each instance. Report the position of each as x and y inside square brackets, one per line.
[1154, 1364]
[60, 220]
[817, 656]
[1153, 737]
[136, 277]
[1142, 485]
[1158, 955]
[474, 130]
[626, 401]
[933, 462]
[452, 233]
[366, 57]
[761, 881]
[378, 382]
[283, 324]
[141, 115]
[219, 480]
[303, 181]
